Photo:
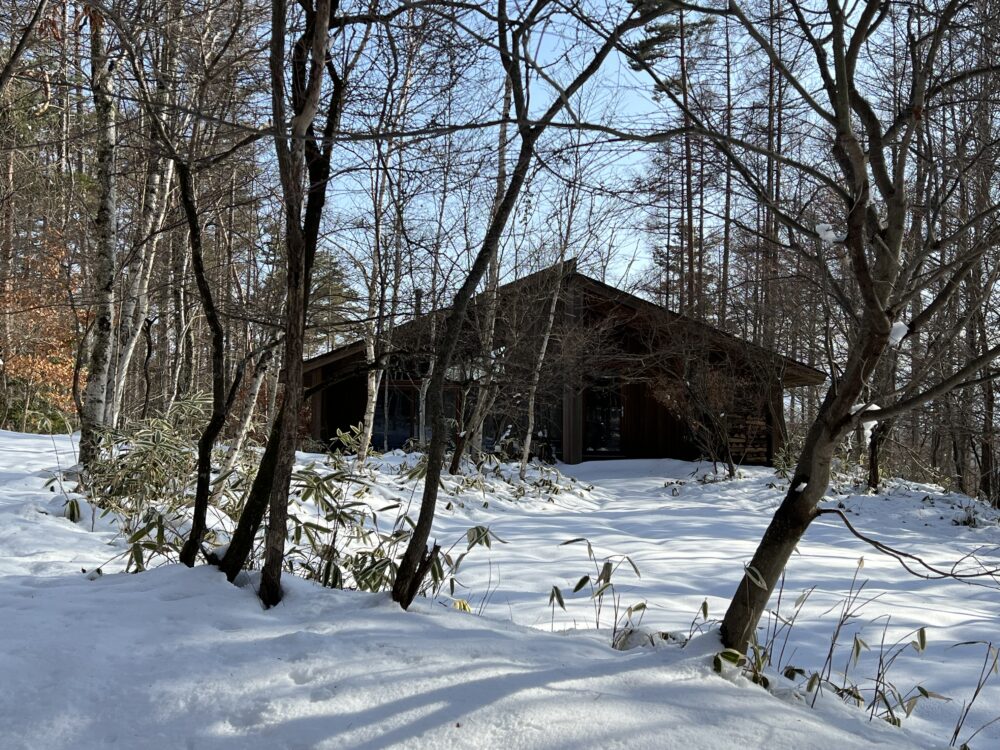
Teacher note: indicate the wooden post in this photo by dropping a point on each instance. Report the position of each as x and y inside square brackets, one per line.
[572, 424]
[572, 407]
[777, 432]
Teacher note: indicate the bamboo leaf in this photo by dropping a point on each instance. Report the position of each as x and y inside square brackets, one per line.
[605, 574]
[137, 558]
[639, 607]
[931, 694]
[600, 591]
[141, 532]
[755, 577]
[732, 656]
[629, 560]
[556, 596]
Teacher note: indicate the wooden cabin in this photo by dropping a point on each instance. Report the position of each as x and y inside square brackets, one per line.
[623, 377]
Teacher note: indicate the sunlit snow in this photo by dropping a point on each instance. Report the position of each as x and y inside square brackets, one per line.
[178, 658]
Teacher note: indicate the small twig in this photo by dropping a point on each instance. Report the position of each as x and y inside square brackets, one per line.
[902, 557]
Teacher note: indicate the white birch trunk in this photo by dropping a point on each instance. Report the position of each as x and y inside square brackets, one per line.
[371, 400]
[6, 255]
[136, 306]
[94, 413]
[272, 400]
[422, 400]
[182, 327]
[536, 373]
[259, 373]
[425, 382]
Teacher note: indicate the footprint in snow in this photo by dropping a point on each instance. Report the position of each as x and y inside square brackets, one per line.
[302, 676]
[321, 694]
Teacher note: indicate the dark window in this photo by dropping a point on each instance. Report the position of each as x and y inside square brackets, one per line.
[602, 419]
[402, 415]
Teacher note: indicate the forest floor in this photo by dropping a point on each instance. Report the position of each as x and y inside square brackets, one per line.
[179, 658]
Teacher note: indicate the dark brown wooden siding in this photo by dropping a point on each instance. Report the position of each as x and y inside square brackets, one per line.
[649, 430]
[342, 406]
[604, 339]
[749, 438]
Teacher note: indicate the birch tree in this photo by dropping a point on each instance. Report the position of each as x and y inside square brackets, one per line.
[95, 410]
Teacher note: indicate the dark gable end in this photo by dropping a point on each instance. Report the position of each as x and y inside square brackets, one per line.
[624, 377]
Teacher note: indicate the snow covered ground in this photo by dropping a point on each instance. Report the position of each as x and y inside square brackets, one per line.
[178, 658]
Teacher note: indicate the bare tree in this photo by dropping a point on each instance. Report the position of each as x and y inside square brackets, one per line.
[7, 71]
[304, 152]
[513, 37]
[874, 146]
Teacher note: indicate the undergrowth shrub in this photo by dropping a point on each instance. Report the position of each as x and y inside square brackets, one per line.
[144, 478]
[339, 544]
[604, 596]
[787, 455]
[877, 694]
[33, 407]
[341, 541]
[342, 532]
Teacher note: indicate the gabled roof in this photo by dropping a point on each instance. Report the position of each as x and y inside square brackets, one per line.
[793, 373]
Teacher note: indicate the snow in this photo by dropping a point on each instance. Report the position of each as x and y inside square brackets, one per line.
[179, 658]
[826, 234]
[867, 421]
[867, 408]
[898, 332]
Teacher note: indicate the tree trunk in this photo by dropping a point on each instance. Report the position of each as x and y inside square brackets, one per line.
[242, 542]
[471, 434]
[183, 336]
[147, 327]
[372, 381]
[136, 304]
[272, 400]
[536, 373]
[808, 485]
[287, 423]
[300, 157]
[988, 479]
[485, 389]
[243, 429]
[94, 414]
[417, 559]
[220, 403]
[688, 210]
[727, 211]
[7, 234]
[879, 437]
